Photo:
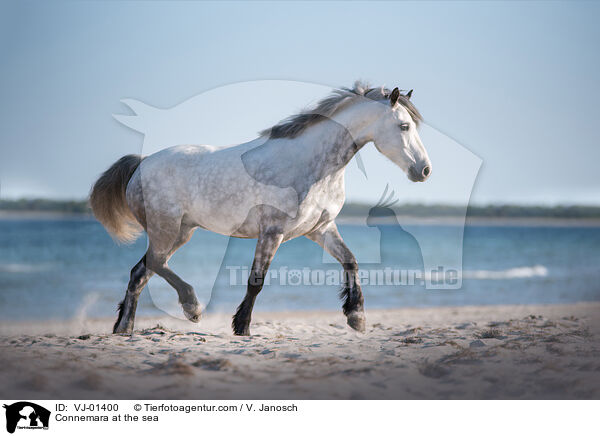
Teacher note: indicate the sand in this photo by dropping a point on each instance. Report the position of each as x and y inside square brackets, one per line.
[490, 352]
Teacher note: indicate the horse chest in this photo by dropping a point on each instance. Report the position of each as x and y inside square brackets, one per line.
[321, 204]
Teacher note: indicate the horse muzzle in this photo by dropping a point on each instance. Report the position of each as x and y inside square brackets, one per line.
[419, 174]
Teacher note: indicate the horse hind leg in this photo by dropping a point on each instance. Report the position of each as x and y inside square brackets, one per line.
[158, 256]
[138, 279]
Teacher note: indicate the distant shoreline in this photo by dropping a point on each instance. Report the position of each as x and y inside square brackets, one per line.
[41, 215]
[81, 207]
[357, 213]
[10, 215]
[475, 221]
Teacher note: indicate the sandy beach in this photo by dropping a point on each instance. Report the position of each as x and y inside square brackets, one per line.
[488, 352]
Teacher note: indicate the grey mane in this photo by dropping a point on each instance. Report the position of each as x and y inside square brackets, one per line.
[326, 108]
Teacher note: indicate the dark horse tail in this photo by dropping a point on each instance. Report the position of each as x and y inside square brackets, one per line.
[109, 202]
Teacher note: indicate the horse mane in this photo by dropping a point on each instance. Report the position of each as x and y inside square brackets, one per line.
[327, 107]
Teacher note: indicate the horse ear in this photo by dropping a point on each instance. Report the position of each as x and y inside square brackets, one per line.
[394, 96]
[409, 94]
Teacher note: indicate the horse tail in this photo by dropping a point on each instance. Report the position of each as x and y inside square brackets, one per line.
[109, 203]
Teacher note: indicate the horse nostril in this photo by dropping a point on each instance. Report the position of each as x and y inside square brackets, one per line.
[426, 171]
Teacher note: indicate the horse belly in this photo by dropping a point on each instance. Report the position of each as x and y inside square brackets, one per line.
[226, 199]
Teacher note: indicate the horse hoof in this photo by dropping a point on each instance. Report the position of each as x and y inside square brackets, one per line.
[240, 326]
[193, 312]
[123, 331]
[242, 332]
[356, 320]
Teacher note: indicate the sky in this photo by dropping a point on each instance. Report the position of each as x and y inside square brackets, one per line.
[513, 85]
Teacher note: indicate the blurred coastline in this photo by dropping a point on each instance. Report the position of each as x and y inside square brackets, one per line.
[355, 213]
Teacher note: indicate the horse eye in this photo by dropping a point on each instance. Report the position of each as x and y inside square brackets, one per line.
[404, 127]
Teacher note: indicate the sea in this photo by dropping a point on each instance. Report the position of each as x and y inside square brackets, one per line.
[69, 268]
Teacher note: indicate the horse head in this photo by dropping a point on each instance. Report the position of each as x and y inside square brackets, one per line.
[395, 135]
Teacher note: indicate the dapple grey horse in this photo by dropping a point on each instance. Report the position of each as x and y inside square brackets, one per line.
[289, 182]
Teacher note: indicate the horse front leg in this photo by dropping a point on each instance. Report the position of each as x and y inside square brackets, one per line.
[266, 247]
[330, 239]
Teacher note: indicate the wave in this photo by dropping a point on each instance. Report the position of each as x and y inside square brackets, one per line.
[511, 273]
[24, 267]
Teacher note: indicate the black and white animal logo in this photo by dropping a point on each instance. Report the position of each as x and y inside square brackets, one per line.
[26, 415]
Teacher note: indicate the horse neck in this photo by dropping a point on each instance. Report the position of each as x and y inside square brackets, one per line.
[338, 139]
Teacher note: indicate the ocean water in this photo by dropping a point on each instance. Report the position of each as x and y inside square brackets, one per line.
[70, 268]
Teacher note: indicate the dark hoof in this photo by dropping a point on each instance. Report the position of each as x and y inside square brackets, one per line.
[242, 332]
[123, 331]
[356, 320]
[193, 312]
[240, 327]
